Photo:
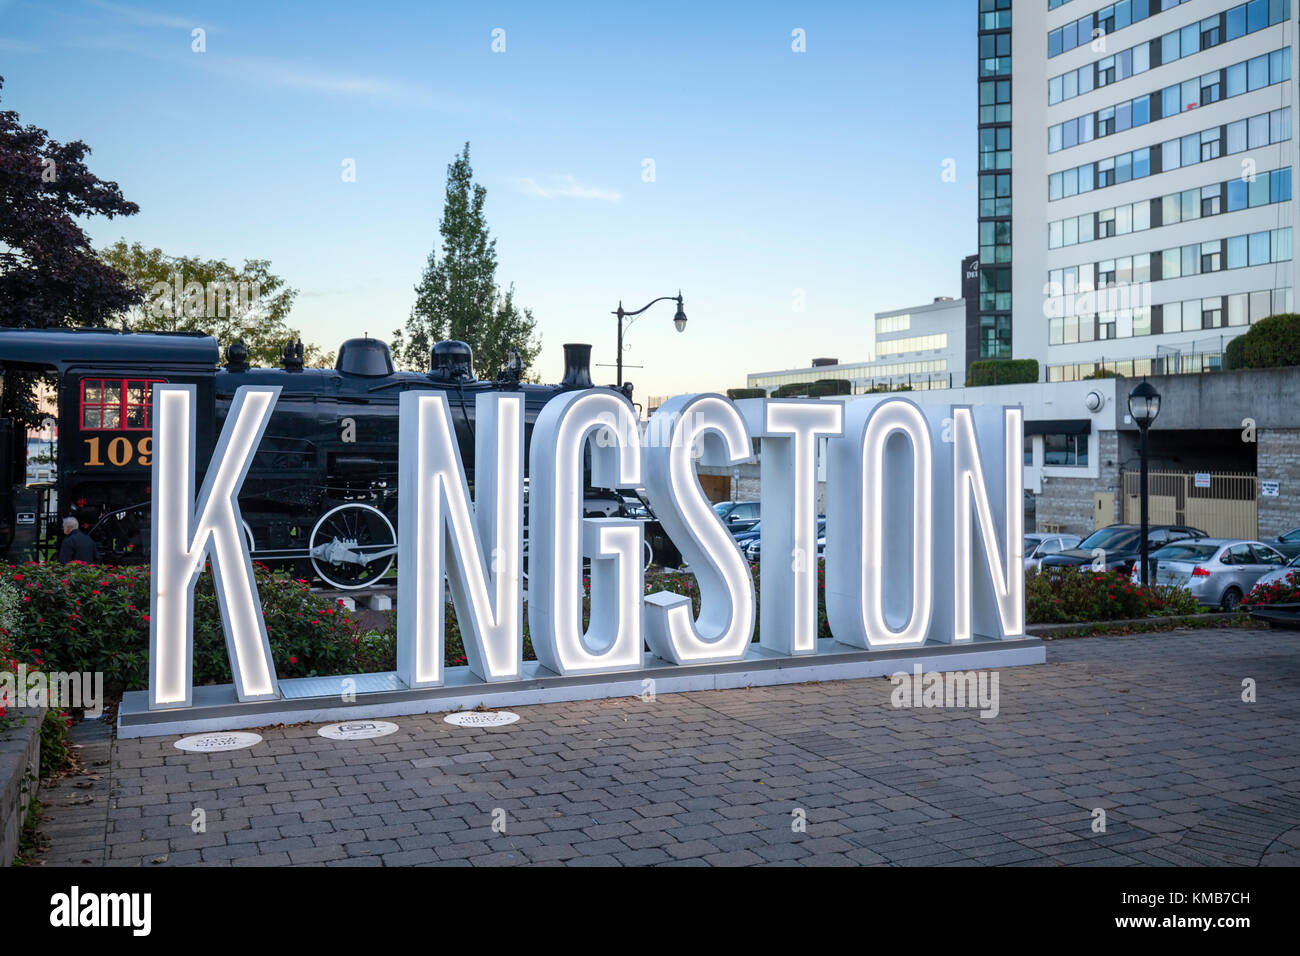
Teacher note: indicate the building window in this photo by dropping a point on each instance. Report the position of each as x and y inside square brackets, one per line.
[1065, 450]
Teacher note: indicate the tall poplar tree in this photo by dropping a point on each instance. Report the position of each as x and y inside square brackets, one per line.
[458, 296]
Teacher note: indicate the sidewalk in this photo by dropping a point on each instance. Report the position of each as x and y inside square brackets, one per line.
[1151, 729]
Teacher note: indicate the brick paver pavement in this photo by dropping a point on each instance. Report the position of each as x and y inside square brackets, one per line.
[1152, 729]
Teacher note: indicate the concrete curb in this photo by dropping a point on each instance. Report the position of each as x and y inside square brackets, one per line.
[20, 767]
[1099, 627]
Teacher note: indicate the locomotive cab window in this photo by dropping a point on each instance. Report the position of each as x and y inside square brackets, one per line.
[116, 404]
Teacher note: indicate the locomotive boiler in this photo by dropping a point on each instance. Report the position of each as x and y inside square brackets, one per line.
[320, 496]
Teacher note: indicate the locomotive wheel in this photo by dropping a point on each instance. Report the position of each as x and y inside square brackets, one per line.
[343, 538]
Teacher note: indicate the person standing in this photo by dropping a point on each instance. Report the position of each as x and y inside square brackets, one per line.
[77, 545]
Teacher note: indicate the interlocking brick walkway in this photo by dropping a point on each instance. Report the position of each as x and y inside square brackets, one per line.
[1152, 729]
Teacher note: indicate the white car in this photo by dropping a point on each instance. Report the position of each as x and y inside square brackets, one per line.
[1039, 545]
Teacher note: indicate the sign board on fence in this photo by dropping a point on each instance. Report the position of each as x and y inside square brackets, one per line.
[1268, 489]
[1202, 479]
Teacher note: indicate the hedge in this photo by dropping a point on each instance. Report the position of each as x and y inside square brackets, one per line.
[1002, 372]
[1269, 343]
[736, 394]
[830, 386]
[83, 618]
[1234, 354]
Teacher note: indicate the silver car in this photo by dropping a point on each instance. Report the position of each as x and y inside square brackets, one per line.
[1218, 571]
[1279, 575]
[1039, 545]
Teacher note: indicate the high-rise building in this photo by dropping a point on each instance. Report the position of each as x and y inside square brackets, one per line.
[1153, 203]
[988, 327]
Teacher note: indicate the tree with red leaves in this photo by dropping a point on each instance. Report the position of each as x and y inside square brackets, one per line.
[49, 274]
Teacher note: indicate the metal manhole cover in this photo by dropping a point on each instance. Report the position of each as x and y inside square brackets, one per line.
[481, 718]
[358, 730]
[217, 742]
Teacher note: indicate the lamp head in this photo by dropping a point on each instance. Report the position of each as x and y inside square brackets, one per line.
[679, 319]
[1144, 403]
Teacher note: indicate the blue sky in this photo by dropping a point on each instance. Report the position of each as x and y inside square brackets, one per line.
[775, 171]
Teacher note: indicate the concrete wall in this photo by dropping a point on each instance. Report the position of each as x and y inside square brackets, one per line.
[20, 763]
[1278, 459]
[1261, 402]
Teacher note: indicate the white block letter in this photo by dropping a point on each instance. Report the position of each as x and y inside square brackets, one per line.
[879, 539]
[559, 536]
[186, 534]
[438, 535]
[789, 430]
[725, 626]
[1005, 580]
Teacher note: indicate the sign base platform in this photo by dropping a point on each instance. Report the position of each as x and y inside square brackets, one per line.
[323, 700]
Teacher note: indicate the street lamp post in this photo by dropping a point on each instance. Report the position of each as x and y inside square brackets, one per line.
[1143, 407]
[679, 320]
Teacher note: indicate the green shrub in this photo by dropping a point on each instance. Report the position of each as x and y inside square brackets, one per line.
[1271, 342]
[736, 394]
[56, 742]
[792, 390]
[1069, 595]
[1003, 372]
[1103, 373]
[1234, 356]
[830, 386]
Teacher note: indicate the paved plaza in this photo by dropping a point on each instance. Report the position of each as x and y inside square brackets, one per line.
[1152, 729]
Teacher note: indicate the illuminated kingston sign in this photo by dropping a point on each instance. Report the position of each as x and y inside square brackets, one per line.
[923, 533]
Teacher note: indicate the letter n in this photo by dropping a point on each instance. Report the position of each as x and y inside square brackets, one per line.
[998, 602]
[185, 534]
[476, 547]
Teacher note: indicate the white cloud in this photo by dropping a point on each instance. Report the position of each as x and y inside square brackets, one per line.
[149, 18]
[565, 187]
[17, 46]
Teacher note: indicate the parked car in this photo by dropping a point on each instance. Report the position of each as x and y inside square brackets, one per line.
[1279, 574]
[1288, 544]
[744, 538]
[753, 546]
[1039, 545]
[738, 515]
[1117, 547]
[1218, 571]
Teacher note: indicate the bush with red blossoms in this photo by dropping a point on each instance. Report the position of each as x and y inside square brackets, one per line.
[94, 618]
[1285, 591]
[1069, 595]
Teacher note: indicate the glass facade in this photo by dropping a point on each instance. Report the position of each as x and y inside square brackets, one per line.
[993, 321]
[1267, 69]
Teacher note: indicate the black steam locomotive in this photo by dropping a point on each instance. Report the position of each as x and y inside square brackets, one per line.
[321, 494]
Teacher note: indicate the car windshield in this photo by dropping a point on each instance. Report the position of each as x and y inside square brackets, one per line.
[1186, 552]
[722, 508]
[1111, 539]
[1030, 544]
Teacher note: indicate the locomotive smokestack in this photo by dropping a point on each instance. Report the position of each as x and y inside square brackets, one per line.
[577, 366]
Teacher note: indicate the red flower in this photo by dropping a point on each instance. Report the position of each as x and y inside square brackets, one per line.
[293, 660]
